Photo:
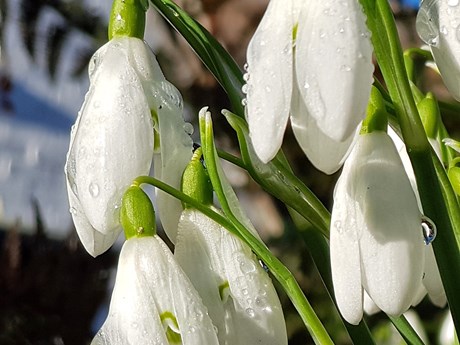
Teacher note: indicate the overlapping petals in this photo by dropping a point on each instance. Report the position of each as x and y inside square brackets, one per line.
[376, 239]
[113, 139]
[153, 302]
[311, 60]
[238, 293]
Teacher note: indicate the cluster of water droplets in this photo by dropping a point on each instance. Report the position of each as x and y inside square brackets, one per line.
[428, 23]
[245, 87]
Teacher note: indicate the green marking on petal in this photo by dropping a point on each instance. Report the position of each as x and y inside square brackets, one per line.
[224, 291]
[171, 327]
[156, 132]
[294, 32]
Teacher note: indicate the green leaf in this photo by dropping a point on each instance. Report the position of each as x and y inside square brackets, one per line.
[213, 55]
[231, 209]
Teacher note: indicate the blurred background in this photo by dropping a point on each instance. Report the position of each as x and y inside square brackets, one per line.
[51, 290]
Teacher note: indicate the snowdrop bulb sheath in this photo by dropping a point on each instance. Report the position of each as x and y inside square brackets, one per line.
[376, 241]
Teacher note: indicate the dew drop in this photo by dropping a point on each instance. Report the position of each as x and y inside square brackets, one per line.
[427, 23]
[250, 312]
[73, 210]
[262, 43]
[268, 89]
[245, 88]
[191, 329]
[338, 226]
[247, 266]
[345, 68]
[246, 67]
[94, 189]
[246, 77]
[452, 2]
[244, 102]
[428, 230]
[306, 85]
[188, 128]
[263, 265]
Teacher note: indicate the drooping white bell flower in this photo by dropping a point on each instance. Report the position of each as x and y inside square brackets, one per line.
[437, 25]
[375, 239]
[312, 60]
[431, 278]
[237, 291]
[113, 139]
[153, 302]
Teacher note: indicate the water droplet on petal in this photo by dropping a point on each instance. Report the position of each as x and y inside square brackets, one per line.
[188, 128]
[245, 88]
[94, 189]
[250, 312]
[246, 67]
[263, 265]
[452, 2]
[428, 230]
[246, 77]
[427, 23]
[73, 210]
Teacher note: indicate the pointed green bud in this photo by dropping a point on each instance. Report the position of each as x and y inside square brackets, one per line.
[137, 215]
[454, 174]
[429, 113]
[127, 18]
[377, 117]
[196, 182]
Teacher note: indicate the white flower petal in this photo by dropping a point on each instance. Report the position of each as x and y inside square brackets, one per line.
[432, 279]
[113, 141]
[333, 62]
[93, 241]
[212, 257]
[175, 153]
[437, 25]
[269, 87]
[391, 245]
[150, 283]
[345, 251]
[323, 152]
[370, 308]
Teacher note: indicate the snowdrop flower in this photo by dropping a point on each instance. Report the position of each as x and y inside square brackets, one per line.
[376, 242]
[112, 141]
[312, 60]
[237, 291]
[437, 25]
[432, 283]
[153, 302]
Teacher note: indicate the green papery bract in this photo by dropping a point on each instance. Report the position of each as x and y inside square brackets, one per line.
[150, 284]
[376, 239]
[238, 293]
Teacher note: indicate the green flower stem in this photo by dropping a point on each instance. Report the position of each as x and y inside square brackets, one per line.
[406, 330]
[277, 179]
[279, 271]
[318, 247]
[388, 51]
[127, 18]
[213, 55]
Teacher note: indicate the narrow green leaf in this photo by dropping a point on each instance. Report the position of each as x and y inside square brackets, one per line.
[213, 55]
